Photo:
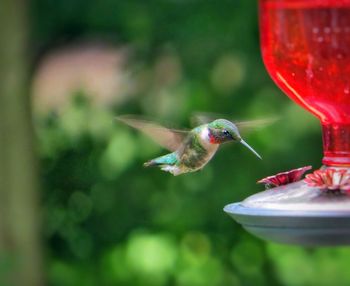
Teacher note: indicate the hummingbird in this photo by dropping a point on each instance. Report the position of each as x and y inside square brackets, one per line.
[190, 150]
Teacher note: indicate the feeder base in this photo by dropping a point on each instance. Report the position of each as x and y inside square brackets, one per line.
[296, 214]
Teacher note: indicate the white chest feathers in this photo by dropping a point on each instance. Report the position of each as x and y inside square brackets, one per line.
[205, 141]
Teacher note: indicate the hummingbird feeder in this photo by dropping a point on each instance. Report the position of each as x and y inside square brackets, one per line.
[306, 49]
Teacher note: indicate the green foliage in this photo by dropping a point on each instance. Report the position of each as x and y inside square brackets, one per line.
[109, 221]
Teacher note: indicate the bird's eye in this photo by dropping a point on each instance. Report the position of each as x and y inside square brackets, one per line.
[226, 133]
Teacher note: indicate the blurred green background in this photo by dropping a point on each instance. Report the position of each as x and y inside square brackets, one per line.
[109, 221]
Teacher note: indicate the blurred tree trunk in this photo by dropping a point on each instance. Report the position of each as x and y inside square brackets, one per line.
[20, 253]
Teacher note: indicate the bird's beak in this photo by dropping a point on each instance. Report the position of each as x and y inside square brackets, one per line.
[250, 148]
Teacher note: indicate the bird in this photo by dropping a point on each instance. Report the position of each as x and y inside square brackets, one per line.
[191, 149]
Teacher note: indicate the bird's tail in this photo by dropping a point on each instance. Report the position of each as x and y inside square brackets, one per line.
[151, 163]
[168, 159]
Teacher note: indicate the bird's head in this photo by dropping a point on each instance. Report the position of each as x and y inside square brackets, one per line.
[222, 131]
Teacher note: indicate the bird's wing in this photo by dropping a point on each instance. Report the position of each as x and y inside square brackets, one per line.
[199, 118]
[245, 126]
[170, 139]
[255, 124]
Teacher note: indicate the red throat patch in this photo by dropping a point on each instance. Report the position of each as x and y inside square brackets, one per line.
[212, 139]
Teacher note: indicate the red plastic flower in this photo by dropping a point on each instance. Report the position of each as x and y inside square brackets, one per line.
[285, 178]
[329, 179]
